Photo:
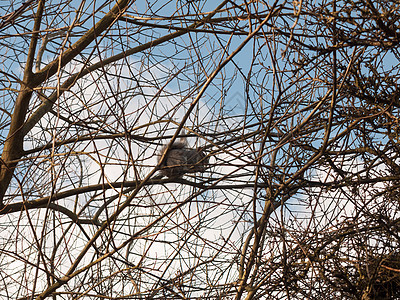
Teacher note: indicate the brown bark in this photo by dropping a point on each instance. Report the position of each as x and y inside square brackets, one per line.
[13, 146]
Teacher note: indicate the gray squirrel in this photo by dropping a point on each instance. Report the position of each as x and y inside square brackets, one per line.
[180, 159]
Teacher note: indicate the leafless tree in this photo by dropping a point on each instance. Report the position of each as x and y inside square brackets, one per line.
[295, 106]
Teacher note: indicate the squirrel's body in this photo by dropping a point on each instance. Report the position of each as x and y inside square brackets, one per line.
[181, 160]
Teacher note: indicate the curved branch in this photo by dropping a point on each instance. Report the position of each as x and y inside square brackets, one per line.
[50, 69]
[48, 103]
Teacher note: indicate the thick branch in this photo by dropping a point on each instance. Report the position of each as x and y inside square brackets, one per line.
[13, 147]
[82, 43]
